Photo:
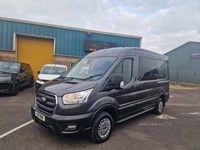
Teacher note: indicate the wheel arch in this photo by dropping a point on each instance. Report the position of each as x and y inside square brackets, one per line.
[162, 96]
[106, 108]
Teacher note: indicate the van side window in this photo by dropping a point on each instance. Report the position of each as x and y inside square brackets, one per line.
[125, 69]
[162, 69]
[151, 69]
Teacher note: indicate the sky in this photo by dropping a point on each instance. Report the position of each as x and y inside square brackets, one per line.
[163, 25]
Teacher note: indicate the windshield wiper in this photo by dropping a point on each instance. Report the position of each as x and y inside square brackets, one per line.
[92, 76]
[72, 78]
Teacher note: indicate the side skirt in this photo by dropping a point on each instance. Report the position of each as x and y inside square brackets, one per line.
[132, 116]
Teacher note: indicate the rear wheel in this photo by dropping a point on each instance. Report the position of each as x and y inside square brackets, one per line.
[15, 88]
[159, 107]
[102, 128]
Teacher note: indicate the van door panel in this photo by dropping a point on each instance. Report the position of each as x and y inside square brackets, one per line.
[125, 99]
[146, 95]
[126, 96]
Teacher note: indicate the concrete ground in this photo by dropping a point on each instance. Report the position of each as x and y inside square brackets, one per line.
[178, 128]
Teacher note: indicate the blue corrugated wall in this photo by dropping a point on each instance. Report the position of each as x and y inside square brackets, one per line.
[182, 67]
[68, 41]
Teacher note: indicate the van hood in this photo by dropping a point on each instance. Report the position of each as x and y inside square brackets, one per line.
[61, 86]
[47, 76]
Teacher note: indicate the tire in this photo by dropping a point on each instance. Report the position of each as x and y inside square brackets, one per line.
[159, 107]
[102, 128]
[31, 82]
[15, 88]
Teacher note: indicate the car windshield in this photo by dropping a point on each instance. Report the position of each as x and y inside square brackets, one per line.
[91, 68]
[56, 70]
[9, 66]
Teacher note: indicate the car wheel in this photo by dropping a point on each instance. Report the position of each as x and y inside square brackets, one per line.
[159, 107]
[15, 88]
[102, 128]
[31, 82]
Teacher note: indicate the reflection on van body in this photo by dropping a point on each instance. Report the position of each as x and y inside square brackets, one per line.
[105, 87]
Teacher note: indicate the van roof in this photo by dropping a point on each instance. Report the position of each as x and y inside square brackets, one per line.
[115, 52]
[55, 65]
[109, 52]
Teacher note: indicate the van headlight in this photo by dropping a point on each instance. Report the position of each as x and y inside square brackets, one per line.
[76, 98]
[40, 81]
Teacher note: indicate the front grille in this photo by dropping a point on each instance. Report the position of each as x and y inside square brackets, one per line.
[4, 86]
[46, 102]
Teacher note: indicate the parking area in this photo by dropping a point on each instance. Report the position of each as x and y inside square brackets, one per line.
[178, 128]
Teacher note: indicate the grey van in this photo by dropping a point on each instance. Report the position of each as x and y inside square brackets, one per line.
[105, 87]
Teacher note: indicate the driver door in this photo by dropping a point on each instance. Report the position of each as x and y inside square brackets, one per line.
[125, 98]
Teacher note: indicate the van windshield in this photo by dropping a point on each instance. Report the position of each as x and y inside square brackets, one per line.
[54, 70]
[90, 68]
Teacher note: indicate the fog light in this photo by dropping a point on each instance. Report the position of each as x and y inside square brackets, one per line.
[70, 127]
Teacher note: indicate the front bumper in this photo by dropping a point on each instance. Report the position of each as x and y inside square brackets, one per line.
[6, 87]
[58, 124]
[37, 86]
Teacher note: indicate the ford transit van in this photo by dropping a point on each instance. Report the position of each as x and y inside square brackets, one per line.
[105, 87]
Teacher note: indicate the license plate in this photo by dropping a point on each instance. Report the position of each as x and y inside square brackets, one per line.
[38, 115]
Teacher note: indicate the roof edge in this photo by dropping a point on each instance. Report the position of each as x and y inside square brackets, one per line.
[181, 46]
[69, 28]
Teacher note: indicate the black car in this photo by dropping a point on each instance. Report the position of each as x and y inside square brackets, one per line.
[14, 75]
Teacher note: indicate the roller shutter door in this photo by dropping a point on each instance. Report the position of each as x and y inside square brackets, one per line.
[35, 51]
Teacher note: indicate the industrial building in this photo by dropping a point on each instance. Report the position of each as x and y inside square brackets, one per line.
[39, 43]
[185, 63]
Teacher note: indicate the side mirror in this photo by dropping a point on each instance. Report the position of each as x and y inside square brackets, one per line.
[38, 72]
[117, 81]
[22, 69]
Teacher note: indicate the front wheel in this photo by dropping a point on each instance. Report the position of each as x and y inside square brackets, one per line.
[102, 128]
[31, 82]
[159, 107]
[15, 88]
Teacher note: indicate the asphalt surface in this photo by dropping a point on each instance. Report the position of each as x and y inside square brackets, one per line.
[178, 128]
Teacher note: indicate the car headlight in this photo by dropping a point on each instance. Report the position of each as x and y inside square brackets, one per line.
[40, 81]
[76, 98]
